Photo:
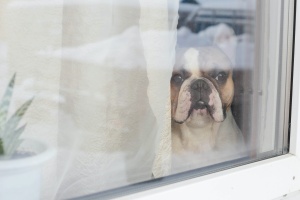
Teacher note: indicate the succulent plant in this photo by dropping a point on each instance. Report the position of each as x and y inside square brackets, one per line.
[9, 130]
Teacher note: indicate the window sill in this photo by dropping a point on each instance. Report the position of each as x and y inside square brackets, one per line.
[267, 179]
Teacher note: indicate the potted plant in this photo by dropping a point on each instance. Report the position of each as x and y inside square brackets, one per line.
[20, 159]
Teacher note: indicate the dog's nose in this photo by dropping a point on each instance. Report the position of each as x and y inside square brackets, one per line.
[199, 84]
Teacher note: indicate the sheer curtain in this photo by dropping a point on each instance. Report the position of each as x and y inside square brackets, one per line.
[100, 72]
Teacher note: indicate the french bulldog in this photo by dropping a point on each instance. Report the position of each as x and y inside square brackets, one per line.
[204, 131]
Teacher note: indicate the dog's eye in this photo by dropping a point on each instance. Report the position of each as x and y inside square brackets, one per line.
[221, 76]
[177, 79]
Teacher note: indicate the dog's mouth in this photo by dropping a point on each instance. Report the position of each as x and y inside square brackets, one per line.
[203, 108]
[200, 105]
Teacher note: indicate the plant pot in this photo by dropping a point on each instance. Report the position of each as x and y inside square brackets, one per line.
[20, 176]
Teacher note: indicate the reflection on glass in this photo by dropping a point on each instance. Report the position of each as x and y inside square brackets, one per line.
[129, 91]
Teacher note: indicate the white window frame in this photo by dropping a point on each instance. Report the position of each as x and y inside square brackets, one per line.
[266, 179]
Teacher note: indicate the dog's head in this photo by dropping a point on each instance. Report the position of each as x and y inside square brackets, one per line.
[201, 86]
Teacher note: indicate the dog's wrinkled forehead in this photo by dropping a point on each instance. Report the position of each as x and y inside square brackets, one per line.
[205, 58]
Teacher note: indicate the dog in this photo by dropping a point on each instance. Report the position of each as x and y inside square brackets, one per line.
[204, 131]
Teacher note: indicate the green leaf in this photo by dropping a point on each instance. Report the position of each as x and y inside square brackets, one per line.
[12, 138]
[13, 122]
[4, 106]
[1, 147]
[9, 134]
[13, 147]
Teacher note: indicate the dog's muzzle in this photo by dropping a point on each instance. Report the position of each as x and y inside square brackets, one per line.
[200, 91]
[198, 95]
[204, 95]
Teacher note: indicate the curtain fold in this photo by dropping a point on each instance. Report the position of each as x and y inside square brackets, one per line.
[100, 72]
[158, 32]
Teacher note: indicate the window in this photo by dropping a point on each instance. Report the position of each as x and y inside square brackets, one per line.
[136, 95]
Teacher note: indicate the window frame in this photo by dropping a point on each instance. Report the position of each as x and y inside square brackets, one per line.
[266, 179]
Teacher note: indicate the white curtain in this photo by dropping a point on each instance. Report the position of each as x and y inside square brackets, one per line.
[100, 72]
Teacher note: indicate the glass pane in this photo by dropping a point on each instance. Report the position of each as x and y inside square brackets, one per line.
[133, 94]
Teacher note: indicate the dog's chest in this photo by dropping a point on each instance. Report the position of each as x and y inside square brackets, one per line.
[206, 146]
[186, 140]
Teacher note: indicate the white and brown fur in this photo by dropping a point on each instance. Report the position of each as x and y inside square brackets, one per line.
[204, 131]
